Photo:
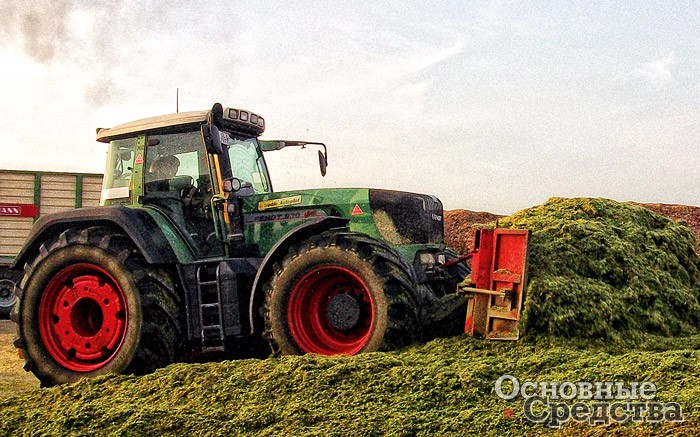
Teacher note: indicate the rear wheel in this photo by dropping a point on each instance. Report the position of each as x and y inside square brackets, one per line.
[8, 279]
[89, 304]
[340, 293]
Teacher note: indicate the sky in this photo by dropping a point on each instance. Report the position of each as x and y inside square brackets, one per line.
[489, 105]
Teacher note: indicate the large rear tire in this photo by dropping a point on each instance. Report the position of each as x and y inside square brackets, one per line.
[340, 293]
[89, 305]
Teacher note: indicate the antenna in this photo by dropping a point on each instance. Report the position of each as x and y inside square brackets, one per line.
[177, 99]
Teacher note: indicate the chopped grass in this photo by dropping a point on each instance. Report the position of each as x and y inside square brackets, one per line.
[445, 387]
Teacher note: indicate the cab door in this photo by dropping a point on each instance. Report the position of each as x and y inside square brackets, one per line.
[178, 181]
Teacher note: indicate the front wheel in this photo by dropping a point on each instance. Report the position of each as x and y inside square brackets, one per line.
[340, 293]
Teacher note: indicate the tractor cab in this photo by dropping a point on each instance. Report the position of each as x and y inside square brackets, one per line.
[194, 167]
[168, 163]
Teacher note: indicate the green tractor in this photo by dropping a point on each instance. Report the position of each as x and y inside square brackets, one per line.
[193, 257]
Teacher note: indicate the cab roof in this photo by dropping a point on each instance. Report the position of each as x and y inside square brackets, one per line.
[105, 135]
[237, 119]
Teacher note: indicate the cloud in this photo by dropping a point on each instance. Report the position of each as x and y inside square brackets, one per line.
[43, 28]
[660, 71]
[430, 60]
[414, 59]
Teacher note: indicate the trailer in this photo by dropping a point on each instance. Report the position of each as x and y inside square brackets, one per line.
[26, 195]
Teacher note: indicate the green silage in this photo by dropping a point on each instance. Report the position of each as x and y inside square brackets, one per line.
[445, 387]
[599, 269]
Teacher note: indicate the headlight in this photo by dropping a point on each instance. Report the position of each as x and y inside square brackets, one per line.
[427, 259]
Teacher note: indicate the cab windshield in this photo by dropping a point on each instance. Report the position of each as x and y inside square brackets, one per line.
[247, 162]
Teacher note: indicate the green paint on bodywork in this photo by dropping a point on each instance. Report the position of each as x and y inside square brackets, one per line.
[180, 247]
[268, 217]
[267, 226]
[37, 194]
[136, 188]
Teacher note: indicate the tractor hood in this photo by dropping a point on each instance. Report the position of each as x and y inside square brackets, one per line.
[397, 217]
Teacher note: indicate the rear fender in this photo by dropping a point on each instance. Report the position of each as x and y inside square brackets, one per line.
[300, 233]
[136, 223]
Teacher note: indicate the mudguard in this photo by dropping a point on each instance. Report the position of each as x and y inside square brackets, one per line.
[301, 232]
[136, 223]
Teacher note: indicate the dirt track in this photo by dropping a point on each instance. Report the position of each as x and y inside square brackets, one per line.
[6, 327]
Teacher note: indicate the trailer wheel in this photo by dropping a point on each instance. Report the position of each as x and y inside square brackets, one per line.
[89, 304]
[8, 279]
[340, 293]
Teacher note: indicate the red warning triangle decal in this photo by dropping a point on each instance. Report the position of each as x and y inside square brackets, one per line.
[138, 159]
[357, 210]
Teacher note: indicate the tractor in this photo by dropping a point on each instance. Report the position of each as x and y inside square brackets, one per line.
[192, 256]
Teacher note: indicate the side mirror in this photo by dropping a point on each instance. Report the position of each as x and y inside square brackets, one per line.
[211, 139]
[322, 162]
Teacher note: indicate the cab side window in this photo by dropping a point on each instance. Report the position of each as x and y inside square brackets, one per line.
[177, 182]
[174, 162]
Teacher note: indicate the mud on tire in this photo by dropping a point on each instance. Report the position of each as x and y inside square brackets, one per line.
[340, 293]
[89, 304]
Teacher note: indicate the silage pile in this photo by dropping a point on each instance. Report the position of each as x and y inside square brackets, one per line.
[605, 270]
[443, 388]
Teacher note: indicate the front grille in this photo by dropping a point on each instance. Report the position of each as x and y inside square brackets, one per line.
[407, 218]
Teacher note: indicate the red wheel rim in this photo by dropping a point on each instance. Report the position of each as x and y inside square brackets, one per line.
[83, 317]
[308, 311]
